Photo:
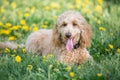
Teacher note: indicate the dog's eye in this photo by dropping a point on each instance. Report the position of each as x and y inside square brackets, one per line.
[64, 24]
[74, 24]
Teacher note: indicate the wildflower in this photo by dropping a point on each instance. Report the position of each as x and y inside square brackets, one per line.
[26, 15]
[26, 28]
[15, 28]
[24, 50]
[98, 8]
[50, 55]
[29, 67]
[7, 50]
[110, 46]
[99, 74]
[1, 24]
[118, 50]
[98, 21]
[14, 51]
[2, 10]
[46, 8]
[35, 28]
[100, 1]
[102, 29]
[13, 5]
[7, 25]
[5, 32]
[44, 58]
[44, 26]
[68, 68]
[54, 5]
[18, 59]
[11, 38]
[23, 22]
[71, 74]
[46, 22]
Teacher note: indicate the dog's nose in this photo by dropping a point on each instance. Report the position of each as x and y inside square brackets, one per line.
[68, 35]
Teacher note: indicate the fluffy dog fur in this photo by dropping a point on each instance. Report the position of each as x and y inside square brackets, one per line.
[54, 41]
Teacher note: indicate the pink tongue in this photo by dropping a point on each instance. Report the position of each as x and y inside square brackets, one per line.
[69, 45]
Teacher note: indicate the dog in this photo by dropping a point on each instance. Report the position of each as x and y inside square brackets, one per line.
[67, 41]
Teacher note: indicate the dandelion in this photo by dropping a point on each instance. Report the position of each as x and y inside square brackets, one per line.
[18, 59]
[44, 58]
[99, 74]
[24, 50]
[100, 1]
[50, 55]
[44, 26]
[102, 29]
[23, 22]
[98, 8]
[7, 50]
[11, 38]
[118, 50]
[68, 68]
[15, 28]
[5, 32]
[98, 21]
[14, 51]
[35, 28]
[26, 28]
[1, 24]
[7, 25]
[13, 5]
[29, 67]
[2, 10]
[26, 15]
[46, 8]
[110, 46]
[71, 74]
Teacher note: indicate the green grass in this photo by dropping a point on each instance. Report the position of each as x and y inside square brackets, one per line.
[105, 44]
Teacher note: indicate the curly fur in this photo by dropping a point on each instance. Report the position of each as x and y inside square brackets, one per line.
[53, 41]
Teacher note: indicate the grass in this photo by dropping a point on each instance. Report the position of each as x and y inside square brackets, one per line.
[18, 19]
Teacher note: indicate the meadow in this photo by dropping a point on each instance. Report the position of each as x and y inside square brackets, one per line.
[18, 18]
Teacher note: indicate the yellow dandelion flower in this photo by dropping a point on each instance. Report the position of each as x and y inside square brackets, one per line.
[102, 29]
[7, 25]
[71, 74]
[50, 55]
[46, 8]
[5, 32]
[35, 28]
[23, 22]
[29, 67]
[98, 21]
[44, 58]
[7, 50]
[24, 50]
[2, 10]
[11, 38]
[54, 5]
[68, 68]
[13, 5]
[18, 59]
[100, 1]
[14, 51]
[26, 14]
[99, 74]
[98, 8]
[15, 28]
[44, 26]
[1, 24]
[26, 28]
[110, 46]
[118, 50]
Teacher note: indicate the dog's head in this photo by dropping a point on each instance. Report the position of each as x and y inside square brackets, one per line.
[72, 30]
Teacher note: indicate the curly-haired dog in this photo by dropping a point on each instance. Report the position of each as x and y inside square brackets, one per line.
[67, 41]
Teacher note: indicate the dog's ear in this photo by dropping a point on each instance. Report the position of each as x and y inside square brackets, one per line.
[56, 37]
[85, 37]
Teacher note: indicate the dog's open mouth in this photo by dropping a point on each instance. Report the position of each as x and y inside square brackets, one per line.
[69, 44]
